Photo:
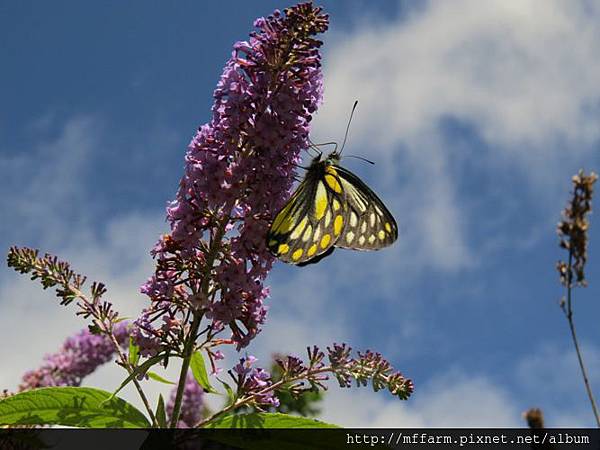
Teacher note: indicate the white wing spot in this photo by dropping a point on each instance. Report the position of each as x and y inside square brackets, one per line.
[363, 227]
[372, 239]
[372, 219]
[349, 237]
[317, 234]
[299, 229]
[307, 233]
[361, 240]
[352, 193]
[353, 219]
[327, 218]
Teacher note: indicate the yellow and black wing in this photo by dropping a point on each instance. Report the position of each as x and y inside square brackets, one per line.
[331, 208]
[369, 224]
[312, 221]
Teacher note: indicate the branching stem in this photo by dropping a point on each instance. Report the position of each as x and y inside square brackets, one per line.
[191, 338]
[122, 357]
[249, 398]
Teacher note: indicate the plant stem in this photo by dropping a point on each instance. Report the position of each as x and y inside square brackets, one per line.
[124, 361]
[569, 315]
[188, 350]
[129, 368]
[244, 400]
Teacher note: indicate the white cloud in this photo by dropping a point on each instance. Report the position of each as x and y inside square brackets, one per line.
[522, 72]
[35, 325]
[456, 399]
[302, 313]
[521, 75]
[42, 185]
[46, 194]
[552, 374]
[553, 365]
[33, 321]
[452, 400]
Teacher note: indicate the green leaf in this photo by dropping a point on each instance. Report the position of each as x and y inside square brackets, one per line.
[134, 352]
[200, 374]
[230, 394]
[157, 377]
[161, 415]
[284, 439]
[268, 420]
[94, 329]
[121, 319]
[70, 406]
[139, 370]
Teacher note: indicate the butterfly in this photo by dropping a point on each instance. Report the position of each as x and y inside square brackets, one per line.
[331, 208]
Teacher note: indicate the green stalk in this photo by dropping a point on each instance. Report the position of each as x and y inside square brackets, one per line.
[188, 349]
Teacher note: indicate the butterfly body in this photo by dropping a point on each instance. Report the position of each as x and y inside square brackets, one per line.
[330, 208]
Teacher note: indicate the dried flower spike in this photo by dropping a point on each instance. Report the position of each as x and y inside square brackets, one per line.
[572, 230]
[573, 237]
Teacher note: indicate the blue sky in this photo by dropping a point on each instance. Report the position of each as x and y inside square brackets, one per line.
[476, 113]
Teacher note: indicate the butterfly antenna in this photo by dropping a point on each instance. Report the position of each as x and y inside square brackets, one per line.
[361, 158]
[323, 144]
[311, 148]
[314, 147]
[348, 127]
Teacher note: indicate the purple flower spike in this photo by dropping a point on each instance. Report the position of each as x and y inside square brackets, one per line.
[239, 169]
[254, 381]
[78, 357]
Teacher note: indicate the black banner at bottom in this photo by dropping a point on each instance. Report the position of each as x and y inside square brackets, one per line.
[300, 439]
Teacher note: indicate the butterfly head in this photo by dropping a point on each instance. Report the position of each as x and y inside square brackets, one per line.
[335, 156]
[332, 158]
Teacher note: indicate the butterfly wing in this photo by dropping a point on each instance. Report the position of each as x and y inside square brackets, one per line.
[331, 208]
[369, 225]
[311, 222]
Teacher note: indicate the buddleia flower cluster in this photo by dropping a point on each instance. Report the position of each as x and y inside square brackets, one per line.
[79, 356]
[256, 388]
[82, 353]
[369, 366]
[69, 286]
[238, 172]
